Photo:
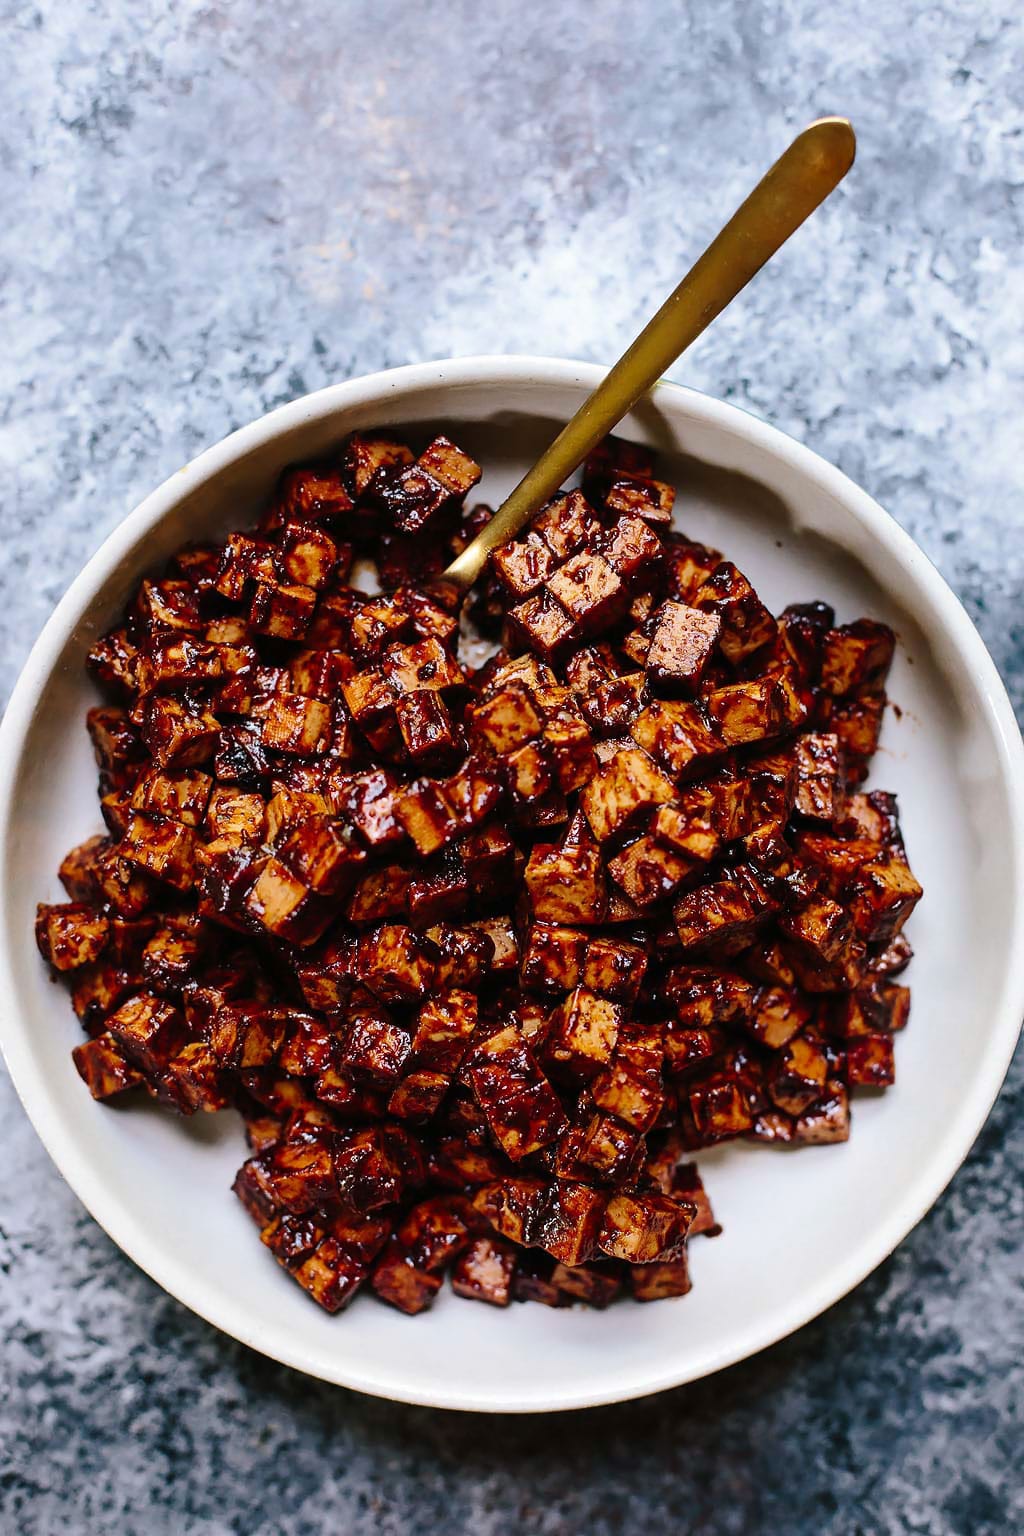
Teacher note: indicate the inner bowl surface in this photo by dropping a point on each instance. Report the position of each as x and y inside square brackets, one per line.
[800, 1229]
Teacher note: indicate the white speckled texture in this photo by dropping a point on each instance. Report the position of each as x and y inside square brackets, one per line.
[209, 208]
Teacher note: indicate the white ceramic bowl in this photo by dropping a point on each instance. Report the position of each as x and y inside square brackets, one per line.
[800, 1229]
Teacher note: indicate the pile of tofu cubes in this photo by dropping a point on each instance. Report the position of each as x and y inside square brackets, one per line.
[482, 957]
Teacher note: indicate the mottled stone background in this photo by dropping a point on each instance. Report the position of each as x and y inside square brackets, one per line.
[209, 208]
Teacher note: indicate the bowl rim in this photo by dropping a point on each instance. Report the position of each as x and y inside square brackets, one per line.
[914, 1200]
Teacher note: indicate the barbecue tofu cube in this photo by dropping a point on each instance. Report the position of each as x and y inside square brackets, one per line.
[553, 958]
[511, 1206]
[287, 908]
[234, 814]
[182, 797]
[296, 725]
[566, 524]
[747, 625]
[163, 848]
[394, 964]
[629, 1093]
[521, 1108]
[870, 1062]
[322, 854]
[882, 896]
[821, 777]
[148, 1030]
[685, 828]
[505, 720]
[566, 883]
[104, 1068]
[369, 801]
[310, 494]
[582, 1033]
[647, 871]
[683, 640]
[71, 934]
[523, 566]
[568, 1222]
[414, 498]
[177, 734]
[858, 724]
[754, 711]
[856, 656]
[652, 500]
[485, 1271]
[623, 788]
[444, 1026]
[541, 625]
[112, 661]
[570, 747]
[428, 817]
[427, 731]
[655, 1282]
[590, 590]
[643, 1228]
[778, 1013]
[401, 1282]
[306, 556]
[719, 911]
[374, 1050]
[822, 946]
[488, 857]
[880, 1007]
[828, 1120]
[677, 735]
[282, 612]
[367, 459]
[614, 967]
[631, 549]
[719, 1107]
[797, 1075]
[603, 1151]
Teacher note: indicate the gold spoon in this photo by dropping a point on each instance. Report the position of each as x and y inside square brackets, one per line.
[812, 167]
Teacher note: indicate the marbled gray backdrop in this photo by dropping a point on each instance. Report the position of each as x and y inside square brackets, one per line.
[207, 208]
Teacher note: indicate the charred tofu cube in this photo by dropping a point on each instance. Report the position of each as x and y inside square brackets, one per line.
[778, 1013]
[754, 711]
[641, 1229]
[245, 1035]
[718, 911]
[306, 556]
[566, 883]
[331, 1274]
[313, 494]
[568, 1223]
[368, 459]
[168, 605]
[369, 801]
[328, 975]
[379, 895]
[601, 1151]
[652, 500]
[677, 735]
[428, 817]
[148, 1030]
[688, 565]
[802, 628]
[444, 1027]
[856, 656]
[623, 788]
[180, 796]
[870, 1062]
[797, 1075]
[511, 1206]
[541, 625]
[683, 641]
[178, 734]
[323, 854]
[71, 934]
[570, 747]
[523, 566]
[450, 465]
[615, 459]
[296, 725]
[193, 1081]
[630, 549]
[394, 964]
[234, 814]
[163, 848]
[590, 590]
[521, 1108]
[426, 727]
[425, 665]
[418, 1096]
[112, 661]
[104, 1068]
[401, 1282]
[438, 891]
[285, 907]
[882, 896]
[719, 1107]
[488, 857]
[243, 562]
[686, 830]
[553, 958]
[582, 1033]
[282, 612]
[614, 967]
[506, 720]
[747, 626]
[374, 1049]
[529, 776]
[566, 524]
[647, 871]
[827, 1120]
[78, 870]
[656, 1282]
[630, 1094]
[821, 777]
[378, 1165]
[484, 1271]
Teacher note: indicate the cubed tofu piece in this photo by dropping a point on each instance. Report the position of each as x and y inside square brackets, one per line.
[686, 830]
[444, 1027]
[682, 642]
[148, 1030]
[505, 720]
[821, 777]
[323, 854]
[285, 907]
[856, 656]
[484, 1271]
[369, 802]
[428, 817]
[104, 1067]
[511, 1206]
[306, 556]
[582, 1033]
[394, 964]
[553, 958]
[429, 736]
[678, 735]
[296, 725]
[882, 896]
[631, 549]
[178, 734]
[870, 1061]
[777, 1014]
[234, 813]
[282, 612]
[521, 1108]
[165, 849]
[603, 1150]
[311, 493]
[827, 1120]
[754, 711]
[180, 796]
[566, 524]
[630, 1094]
[541, 625]
[747, 626]
[719, 1107]
[367, 459]
[566, 883]
[652, 500]
[71, 934]
[644, 1228]
[721, 910]
[523, 566]
[797, 1075]
[568, 1222]
[647, 871]
[656, 1282]
[622, 790]
[374, 1049]
[590, 590]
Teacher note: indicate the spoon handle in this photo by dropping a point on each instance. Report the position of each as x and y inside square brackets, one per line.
[812, 166]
